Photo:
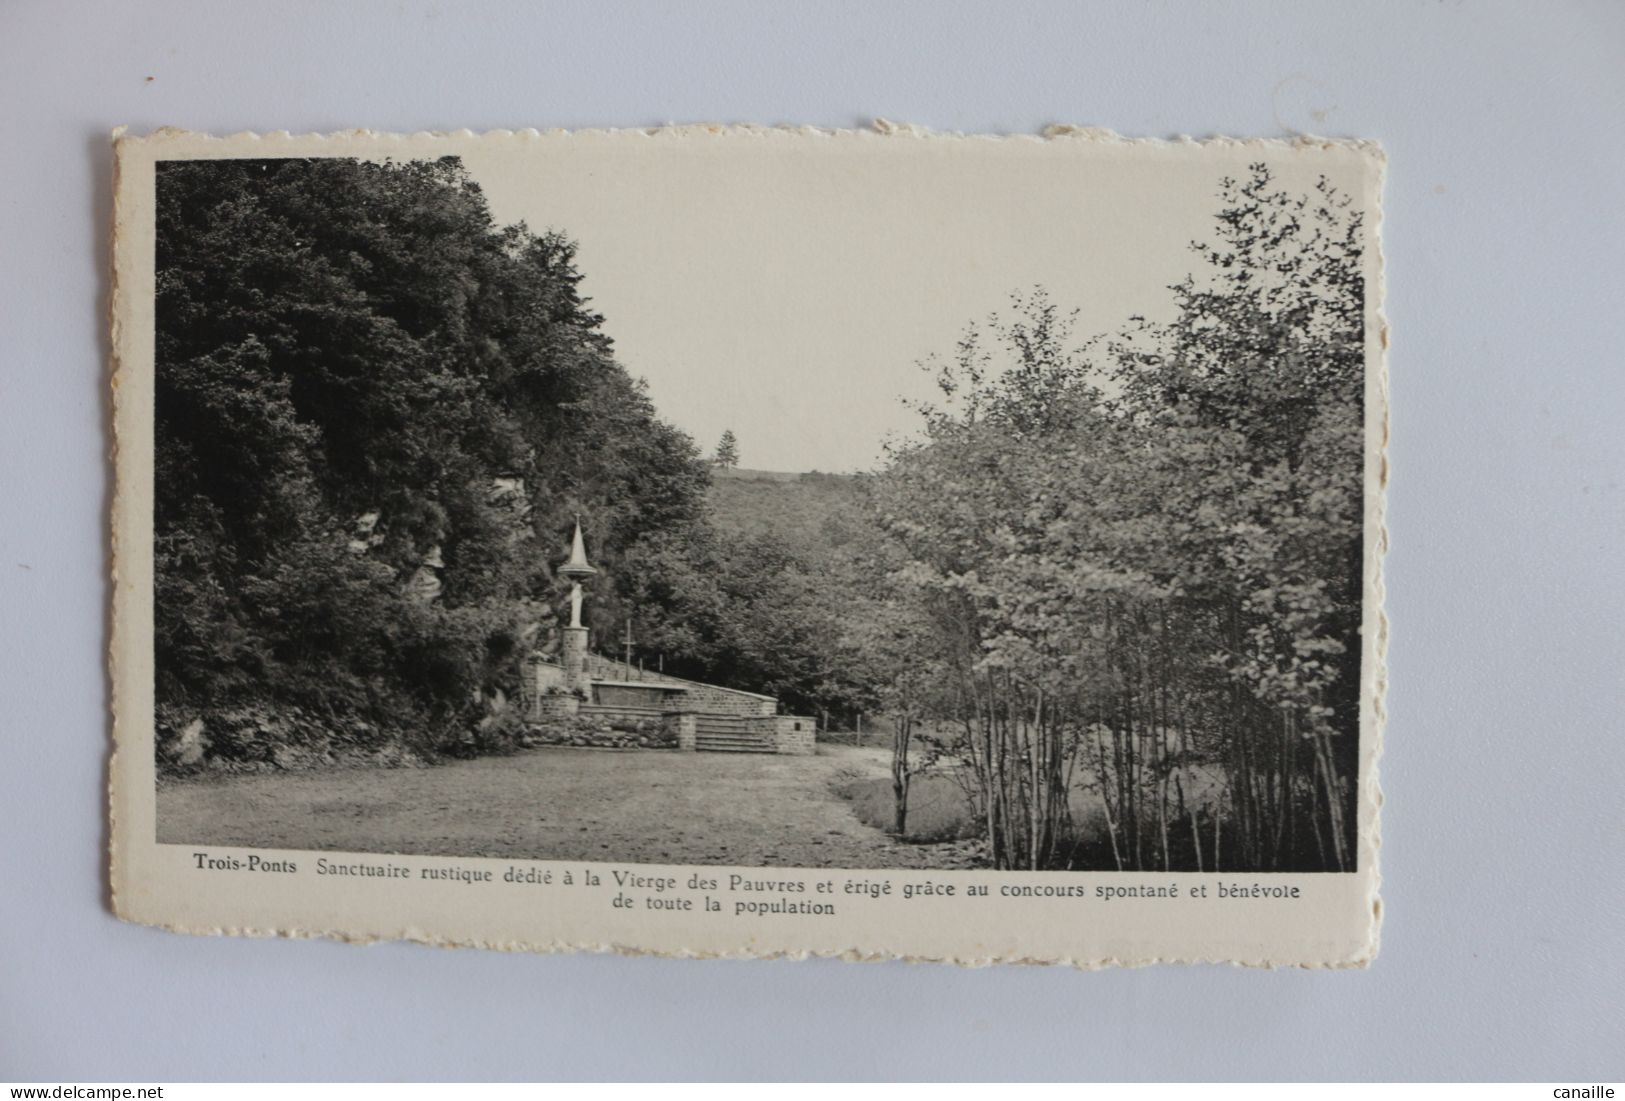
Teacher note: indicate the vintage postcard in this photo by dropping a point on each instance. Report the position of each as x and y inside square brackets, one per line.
[731, 541]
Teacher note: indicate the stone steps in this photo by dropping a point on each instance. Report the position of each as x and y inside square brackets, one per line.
[742, 741]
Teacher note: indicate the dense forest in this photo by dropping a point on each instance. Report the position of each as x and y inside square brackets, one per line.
[1116, 579]
[377, 415]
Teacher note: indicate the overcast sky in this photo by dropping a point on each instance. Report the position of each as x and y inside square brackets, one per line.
[786, 287]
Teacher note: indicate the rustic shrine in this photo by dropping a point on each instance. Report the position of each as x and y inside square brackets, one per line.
[582, 690]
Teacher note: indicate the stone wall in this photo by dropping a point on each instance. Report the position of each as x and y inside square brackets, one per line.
[656, 697]
[546, 674]
[546, 702]
[685, 731]
[711, 700]
[602, 733]
[573, 656]
[601, 668]
[794, 734]
[536, 678]
[616, 714]
[565, 720]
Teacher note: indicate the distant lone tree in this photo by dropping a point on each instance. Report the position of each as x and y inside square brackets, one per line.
[727, 450]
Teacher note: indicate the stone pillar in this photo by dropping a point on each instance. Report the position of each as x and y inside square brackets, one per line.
[530, 688]
[573, 657]
[687, 727]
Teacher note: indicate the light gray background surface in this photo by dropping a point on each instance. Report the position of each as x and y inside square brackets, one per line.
[1503, 771]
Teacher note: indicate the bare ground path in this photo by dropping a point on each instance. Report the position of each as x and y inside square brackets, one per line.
[556, 804]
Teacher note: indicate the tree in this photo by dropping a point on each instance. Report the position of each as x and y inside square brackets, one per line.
[727, 450]
[1143, 558]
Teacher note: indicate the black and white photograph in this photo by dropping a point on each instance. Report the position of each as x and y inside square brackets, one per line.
[760, 511]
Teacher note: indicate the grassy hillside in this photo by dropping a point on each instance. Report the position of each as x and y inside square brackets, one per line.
[812, 514]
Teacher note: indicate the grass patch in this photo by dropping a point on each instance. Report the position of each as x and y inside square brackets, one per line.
[937, 809]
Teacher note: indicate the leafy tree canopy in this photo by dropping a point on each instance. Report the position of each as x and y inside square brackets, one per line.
[368, 394]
